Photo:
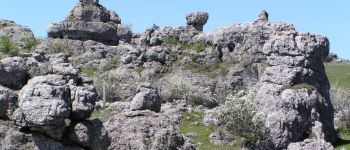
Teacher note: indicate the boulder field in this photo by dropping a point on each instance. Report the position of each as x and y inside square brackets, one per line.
[47, 98]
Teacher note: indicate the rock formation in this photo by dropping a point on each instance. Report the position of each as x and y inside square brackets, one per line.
[88, 21]
[18, 34]
[47, 96]
[197, 20]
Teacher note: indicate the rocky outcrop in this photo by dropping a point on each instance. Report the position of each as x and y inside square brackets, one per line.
[147, 99]
[19, 35]
[292, 97]
[197, 20]
[12, 139]
[88, 21]
[145, 130]
[44, 103]
[8, 102]
[90, 134]
[311, 144]
[13, 72]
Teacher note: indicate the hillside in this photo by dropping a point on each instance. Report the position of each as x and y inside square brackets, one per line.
[94, 84]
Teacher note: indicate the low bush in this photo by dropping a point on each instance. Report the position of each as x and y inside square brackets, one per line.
[7, 48]
[115, 88]
[216, 69]
[340, 99]
[198, 47]
[179, 88]
[54, 46]
[240, 119]
[30, 43]
[189, 125]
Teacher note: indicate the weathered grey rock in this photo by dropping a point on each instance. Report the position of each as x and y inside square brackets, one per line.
[197, 20]
[221, 138]
[88, 11]
[156, 53]
[44, 103]
[174, 110]
[88, 21]
[83, 100]
[311, 144]
[12, 139]
[300, 108]
[18, 34]
[8, 102]
[147, 98]
[124, 33]
[263, 16]
[6, 23]
[90, 134]
[97, 31]
[13, 72]
[211, 116]
[142, 130]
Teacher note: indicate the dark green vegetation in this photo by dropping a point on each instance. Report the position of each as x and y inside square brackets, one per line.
[216, 69]
[30, 43]
[344, 141]
[89, 72]
[198, 47]
[7, 48]
[201, 133]
[10, 49]
[338, 73]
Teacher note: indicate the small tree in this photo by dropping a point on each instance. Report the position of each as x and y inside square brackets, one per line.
[240, 119]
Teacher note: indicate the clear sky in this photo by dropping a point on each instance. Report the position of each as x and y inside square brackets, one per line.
[325, 17]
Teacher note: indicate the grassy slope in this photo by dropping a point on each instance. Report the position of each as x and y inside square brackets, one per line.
[201, 133]
[339, 74]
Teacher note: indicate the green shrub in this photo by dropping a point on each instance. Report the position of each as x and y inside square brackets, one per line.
[340, 99]
[171, 41]
[188, 126]
[7, 47]
[111, 88]
[30, 43]
[180, 88]
[112, 63]
[240, 119]
[216, 69]
[89, 72]
[54, 46]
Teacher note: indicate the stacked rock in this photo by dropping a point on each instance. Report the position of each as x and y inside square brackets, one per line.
[197, 20]
[88, 21]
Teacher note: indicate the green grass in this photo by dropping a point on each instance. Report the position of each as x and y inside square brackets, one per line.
[202, 133]
[104, 115]
[216, 69]
[89, 72]
[338, 73]
[198, 47]
[344, 141]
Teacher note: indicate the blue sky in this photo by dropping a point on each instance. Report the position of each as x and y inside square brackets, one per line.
[325, 17]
